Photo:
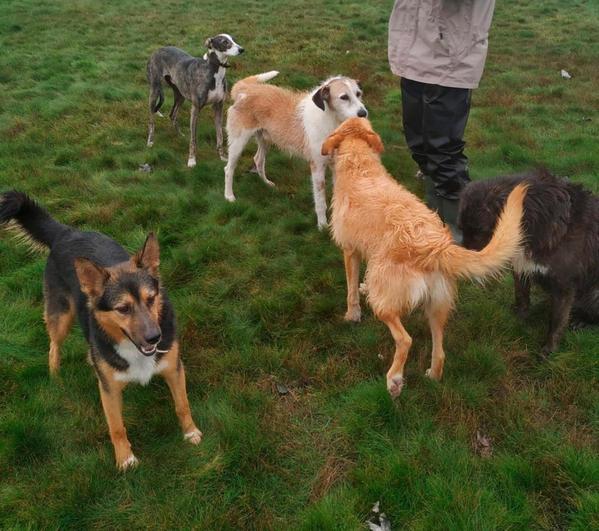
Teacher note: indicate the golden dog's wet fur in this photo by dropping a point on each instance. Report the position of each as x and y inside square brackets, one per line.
[410, 253]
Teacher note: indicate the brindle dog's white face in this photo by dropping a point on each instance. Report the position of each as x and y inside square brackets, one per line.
[343, 96]
[224, 45]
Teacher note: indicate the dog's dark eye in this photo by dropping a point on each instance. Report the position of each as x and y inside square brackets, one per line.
[125, 309]
[359, 94]
[344, 97]
[150, 300]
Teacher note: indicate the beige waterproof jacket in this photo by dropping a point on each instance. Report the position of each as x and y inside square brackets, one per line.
[442, 42]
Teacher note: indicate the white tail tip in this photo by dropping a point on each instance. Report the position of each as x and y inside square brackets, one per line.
[267, 76]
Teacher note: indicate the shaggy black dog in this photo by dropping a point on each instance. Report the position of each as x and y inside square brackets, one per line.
[561, 252]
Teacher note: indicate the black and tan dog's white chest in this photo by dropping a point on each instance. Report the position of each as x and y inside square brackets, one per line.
[140, 368]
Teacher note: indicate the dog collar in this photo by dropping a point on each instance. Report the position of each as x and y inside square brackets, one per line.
[211, 52]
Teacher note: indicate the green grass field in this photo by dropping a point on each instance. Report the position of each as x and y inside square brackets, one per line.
[260, 293]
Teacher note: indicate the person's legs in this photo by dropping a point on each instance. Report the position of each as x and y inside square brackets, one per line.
[444, 118]
[412, 93]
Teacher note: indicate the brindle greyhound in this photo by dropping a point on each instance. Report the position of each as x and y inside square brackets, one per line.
[200, 80]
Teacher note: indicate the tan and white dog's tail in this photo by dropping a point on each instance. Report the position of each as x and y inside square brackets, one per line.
[258, 78]
[505, 243]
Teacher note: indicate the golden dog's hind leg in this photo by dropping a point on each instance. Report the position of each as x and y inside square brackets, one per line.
[58, 315]
[403, 342]
[111, 394]
[174, 374]
[437, 313]
[351, 258]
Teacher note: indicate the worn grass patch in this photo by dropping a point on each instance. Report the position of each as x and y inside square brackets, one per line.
[259, 292]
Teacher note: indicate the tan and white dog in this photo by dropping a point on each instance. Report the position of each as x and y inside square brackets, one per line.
[296, 122]
[411, 256]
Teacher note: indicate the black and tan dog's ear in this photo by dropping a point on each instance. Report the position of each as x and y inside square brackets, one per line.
[92, 277]
[375, 142]
[208, 43]
[320, 96]
[148, 257]
[331, 144]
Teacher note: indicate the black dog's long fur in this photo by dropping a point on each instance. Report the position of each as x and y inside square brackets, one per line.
[561, 226]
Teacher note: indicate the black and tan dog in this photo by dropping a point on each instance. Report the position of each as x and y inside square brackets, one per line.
[561, 249]
[123, 311]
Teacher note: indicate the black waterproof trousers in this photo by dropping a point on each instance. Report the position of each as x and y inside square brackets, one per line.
[434, 120]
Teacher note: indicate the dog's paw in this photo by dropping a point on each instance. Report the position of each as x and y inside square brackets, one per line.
[522, 312]
[191, 162]
[322, 225]
[150, 143]
[230, 198]
[193, 436]
[353, 315]
[158, 113]
[268, 182]
[363, 289]
[578, 324]
[395, 385]
[223, 157]
[129, 462]
[546, 351]
[433, 376]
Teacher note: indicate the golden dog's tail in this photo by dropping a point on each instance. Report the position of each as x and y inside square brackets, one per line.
[492, 259]
[258, 78]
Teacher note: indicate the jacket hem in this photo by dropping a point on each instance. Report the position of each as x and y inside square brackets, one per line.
[433, 80]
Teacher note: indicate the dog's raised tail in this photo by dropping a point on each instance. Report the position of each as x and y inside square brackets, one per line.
[31, 222]
[505, 243]
[258, 78]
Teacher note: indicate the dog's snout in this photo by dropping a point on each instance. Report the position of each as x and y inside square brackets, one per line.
[241, 50]
[153, 339]
[362, 113]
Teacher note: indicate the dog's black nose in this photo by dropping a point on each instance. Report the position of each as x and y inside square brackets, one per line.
[241, 50]
[154, 339]
[362, 113]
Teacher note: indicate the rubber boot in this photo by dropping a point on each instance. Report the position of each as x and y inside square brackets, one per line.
[446, 208]
[449, 214]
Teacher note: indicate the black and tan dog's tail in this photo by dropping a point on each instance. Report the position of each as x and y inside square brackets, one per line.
[31, 222]
[259, 78]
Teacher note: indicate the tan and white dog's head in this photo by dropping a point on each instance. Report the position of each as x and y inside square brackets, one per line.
[341, 96]
[353, 132]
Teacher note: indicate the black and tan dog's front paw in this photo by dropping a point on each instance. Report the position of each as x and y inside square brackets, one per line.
[193, 436]
[127, 463]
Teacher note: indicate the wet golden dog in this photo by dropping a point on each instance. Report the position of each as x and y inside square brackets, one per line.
[411, 256]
